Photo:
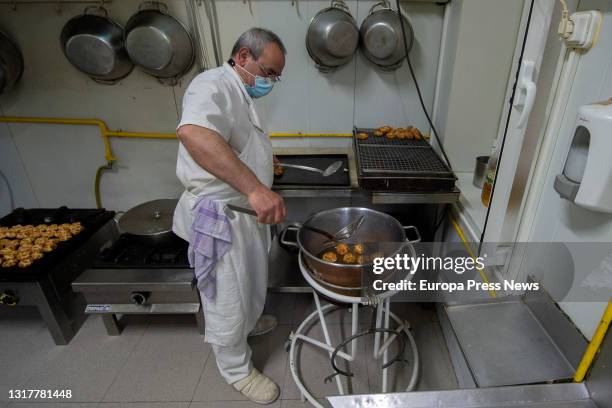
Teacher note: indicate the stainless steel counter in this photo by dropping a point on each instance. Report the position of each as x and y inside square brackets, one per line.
[566, 395]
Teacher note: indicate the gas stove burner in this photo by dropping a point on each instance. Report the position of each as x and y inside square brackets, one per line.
[131, 251]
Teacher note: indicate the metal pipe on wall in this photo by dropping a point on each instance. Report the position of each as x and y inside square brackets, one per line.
[106, 134]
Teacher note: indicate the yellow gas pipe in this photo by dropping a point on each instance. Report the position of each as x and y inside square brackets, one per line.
[106, 134]
[594, 345]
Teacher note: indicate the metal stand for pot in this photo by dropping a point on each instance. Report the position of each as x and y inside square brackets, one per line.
[381, 329]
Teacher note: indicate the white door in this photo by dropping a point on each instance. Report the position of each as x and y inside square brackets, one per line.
[520, 96]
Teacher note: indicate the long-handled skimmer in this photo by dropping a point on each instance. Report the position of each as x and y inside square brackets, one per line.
[331, 169]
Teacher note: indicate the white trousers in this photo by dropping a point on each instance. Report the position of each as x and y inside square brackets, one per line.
[234, 363]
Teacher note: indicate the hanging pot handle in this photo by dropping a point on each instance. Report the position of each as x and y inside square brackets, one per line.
[102, 10]
[340, 4]
[416, 233]
[283, 236]
[153, 5]
[384, 4]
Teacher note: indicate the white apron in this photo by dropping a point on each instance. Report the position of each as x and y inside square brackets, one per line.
[242, 273]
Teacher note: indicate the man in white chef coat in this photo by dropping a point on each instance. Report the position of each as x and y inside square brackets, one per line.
[225, 156]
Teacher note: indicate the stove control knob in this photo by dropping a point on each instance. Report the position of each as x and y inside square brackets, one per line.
[139, 298]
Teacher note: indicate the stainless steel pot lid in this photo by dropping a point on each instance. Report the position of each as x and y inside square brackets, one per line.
[151, 218]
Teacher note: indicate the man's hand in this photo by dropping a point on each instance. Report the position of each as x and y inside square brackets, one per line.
[268, 205]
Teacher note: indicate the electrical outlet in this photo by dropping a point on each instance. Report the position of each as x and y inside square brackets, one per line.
[585, 29]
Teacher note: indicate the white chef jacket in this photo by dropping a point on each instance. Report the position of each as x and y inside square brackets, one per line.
[217, 100]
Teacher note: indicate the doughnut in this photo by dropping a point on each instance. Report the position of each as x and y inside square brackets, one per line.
[329, 257]
[25, 263]
[362, 136]
[9, 263]
[358, 249]
[348, 258]
[342, 249]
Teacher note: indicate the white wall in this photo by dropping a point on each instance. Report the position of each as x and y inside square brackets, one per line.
[51, 165]
[482, 36]
[558, 220]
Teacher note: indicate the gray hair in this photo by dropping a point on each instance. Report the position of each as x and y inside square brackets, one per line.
[255, 39]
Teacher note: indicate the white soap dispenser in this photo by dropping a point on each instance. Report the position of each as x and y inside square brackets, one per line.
[587, 174]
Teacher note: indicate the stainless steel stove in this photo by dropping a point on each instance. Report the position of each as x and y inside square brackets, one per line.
[138, 274]
[46, 283]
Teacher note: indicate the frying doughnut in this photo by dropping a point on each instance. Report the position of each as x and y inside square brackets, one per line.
[349, 258]
[329, 257]
[358, 249]
[342, 249]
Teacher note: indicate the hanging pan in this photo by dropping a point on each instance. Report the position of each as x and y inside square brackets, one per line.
[382, 39]
[159, 43]
[332, 37]
[11, 63]
[93, 43]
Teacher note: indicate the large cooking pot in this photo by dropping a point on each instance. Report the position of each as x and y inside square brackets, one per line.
[382, 39]
[376, 228]
[11, 63]
[151, 222]
[93, 43]
[332, 37]
[159, 43]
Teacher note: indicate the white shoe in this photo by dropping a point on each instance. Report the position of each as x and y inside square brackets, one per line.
[265, 324]
[258, 388]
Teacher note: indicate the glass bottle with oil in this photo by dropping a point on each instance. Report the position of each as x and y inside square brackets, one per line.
[489, 179]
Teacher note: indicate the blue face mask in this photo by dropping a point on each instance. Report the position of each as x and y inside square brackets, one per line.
[261, 87]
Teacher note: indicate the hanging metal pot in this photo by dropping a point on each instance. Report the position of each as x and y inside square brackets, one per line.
[11, 63]
[159, 43]
[332, 37]
[93, 43]
[382, 39]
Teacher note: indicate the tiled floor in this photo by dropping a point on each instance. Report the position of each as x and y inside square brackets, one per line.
[162, 361]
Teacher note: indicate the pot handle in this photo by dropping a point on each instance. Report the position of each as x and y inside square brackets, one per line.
[99, 8]
[340, 4]
[153, 5]
[407, 228]
[384, 3]
[283, 239]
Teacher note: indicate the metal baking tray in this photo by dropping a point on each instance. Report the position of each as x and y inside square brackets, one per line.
[405, 165]
[91, 219]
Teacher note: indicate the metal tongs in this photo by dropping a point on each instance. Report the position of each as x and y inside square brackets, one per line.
[342, 234]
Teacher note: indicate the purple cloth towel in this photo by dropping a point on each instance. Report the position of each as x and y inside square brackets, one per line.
[211, 239]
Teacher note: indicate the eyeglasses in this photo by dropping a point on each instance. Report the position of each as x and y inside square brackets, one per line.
[269, 74]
